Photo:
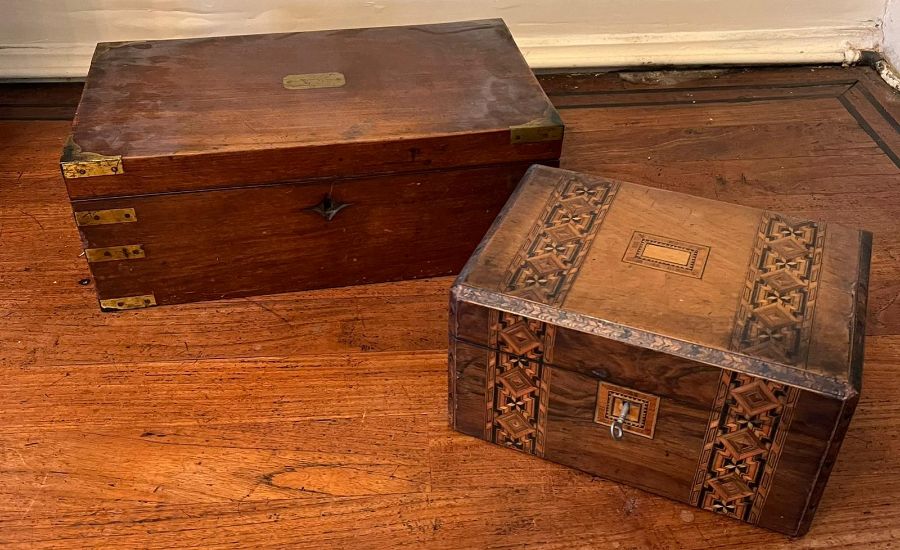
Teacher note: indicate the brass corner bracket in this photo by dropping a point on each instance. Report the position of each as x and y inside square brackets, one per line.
[76, 163]
[128, 302]
[546, 128]
[112, 253]
[105, 217]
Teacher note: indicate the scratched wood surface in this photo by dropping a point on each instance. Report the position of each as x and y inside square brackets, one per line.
[318, 419]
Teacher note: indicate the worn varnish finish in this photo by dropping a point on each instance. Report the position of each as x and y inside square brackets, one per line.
[318, 419]
[247, 241]
[253, 169]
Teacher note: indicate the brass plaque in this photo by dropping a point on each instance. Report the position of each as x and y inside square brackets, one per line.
[105, 217]
[641, 417]
[310, 81]
[125, 252]
[88, 167]
[128, 302]
[671, 255]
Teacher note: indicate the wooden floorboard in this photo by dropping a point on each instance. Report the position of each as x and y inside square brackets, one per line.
[315, 420]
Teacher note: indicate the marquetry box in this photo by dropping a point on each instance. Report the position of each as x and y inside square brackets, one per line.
[704, 351]
[222, 167]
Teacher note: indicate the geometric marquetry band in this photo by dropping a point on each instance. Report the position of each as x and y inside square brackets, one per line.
[751, 416]
[774, 318]
[550, 256]
[543, 270]
[747, 427]
[518, 383]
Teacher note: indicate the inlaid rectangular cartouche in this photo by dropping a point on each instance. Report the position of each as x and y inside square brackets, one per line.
[704, 351]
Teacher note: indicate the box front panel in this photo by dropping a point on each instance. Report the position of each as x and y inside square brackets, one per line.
[229, 243]
[564, 414]
[733, 444]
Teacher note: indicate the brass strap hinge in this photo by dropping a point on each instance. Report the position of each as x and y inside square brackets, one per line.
[128, 302]
[105, 217]
[125, 252]
[547, 128]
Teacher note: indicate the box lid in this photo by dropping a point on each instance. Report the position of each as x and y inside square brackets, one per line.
[736, 287]
[176, 115]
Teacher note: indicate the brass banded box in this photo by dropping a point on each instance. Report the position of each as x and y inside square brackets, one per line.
[704, 351]
[231, 166]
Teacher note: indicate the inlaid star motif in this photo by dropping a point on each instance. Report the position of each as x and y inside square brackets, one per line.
[570, 218]
[553, 247]
[723, 507]
[789, 231]
[781, 264]
[535, 280]
[584, 191]
[775, 296]
[766, 335]
[732, 466]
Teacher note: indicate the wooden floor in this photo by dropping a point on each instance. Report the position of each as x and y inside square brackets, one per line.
[317, 420]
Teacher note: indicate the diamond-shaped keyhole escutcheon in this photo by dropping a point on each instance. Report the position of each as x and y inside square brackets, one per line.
[328, 207]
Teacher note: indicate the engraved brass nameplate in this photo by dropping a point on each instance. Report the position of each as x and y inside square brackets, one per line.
[126, 252]
[671, 255]
[128, 302]
[105, 217]
[640, 419]
[310, 81]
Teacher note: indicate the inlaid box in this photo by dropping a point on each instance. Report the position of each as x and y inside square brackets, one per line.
[704, 351]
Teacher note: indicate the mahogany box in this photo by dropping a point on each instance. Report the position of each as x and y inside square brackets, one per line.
[704, 351]
[222, 167]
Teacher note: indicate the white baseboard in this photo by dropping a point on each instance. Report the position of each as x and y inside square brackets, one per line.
[806, 45]
[779, 46]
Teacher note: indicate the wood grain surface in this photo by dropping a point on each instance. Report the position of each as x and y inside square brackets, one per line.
[319, 419]
[412, 98]
[573, 265]
[264, 240]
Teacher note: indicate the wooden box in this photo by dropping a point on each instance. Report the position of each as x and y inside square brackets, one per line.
[222, 167]
[704, 351]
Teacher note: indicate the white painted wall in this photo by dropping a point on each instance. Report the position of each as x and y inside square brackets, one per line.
[891, 33]
[53, 38]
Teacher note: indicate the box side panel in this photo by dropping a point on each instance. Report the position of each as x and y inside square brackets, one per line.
[834, 447]
[808, 455]
[857, 354]
[268, 239]
[835, 297]
[472, 323]
[469, 370]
